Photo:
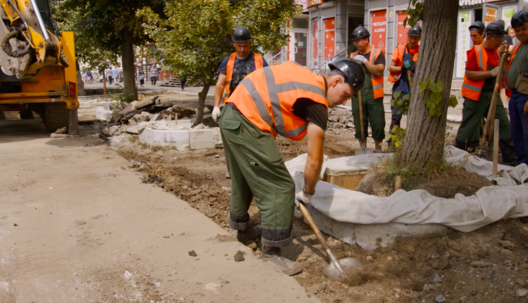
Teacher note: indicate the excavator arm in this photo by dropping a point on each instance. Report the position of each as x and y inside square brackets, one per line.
[27, 44]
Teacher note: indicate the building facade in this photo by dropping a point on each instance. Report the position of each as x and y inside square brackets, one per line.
[323, 32]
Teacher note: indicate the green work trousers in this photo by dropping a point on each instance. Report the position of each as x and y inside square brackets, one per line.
[257, 171]
[473, 113]
[373, 112]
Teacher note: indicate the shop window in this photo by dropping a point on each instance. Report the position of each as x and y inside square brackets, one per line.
[300, 23]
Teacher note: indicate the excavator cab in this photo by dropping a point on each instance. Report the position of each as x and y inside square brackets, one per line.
[37, 69]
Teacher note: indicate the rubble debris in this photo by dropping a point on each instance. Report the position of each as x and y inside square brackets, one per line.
[62, 131]
[192, 253]
[239, 256]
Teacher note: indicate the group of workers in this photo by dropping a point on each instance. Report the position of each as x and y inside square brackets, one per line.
[264, 101]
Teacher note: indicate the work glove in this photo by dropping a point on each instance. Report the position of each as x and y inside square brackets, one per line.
[495, 72]
[360, 59]
[412, 66]
[303, 197]
[406, 65]
[216, 113]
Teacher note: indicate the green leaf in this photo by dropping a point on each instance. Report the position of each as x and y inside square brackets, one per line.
[440, 85]
[423, 85]
[436, 98]
[434, 88]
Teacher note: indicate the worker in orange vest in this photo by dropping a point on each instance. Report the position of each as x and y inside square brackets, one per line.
[404, 59]
[372, 92]
[476, 32]
[235, 67]
[291, 101]
[477, 90]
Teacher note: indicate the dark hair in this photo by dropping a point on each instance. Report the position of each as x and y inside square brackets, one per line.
[480, 31]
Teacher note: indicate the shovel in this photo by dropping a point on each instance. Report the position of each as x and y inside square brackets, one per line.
[337, 270]
[364, 150]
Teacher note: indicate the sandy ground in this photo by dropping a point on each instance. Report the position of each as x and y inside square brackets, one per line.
[77, 225]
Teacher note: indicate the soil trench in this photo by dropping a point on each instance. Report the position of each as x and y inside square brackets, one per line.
[488, 265]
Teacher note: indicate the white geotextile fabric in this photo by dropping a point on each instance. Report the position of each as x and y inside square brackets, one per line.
[509, 199]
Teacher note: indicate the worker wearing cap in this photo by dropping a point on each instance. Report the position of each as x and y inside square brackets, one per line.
[477, 90]
[518, 104]
[372, 93]
[291, 101]
[476, 32]
[235, 67]
[404, 59]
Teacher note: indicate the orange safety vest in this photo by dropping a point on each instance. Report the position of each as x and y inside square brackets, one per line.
[266, 98]
[472, 89]
[377, 83]
[509, 64]
[393, 77]
[259, 63]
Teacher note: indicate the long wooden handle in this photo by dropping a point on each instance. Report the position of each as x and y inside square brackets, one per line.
[495, 147]
[493, 105]
[361, 118]
[314, 227]
[410, 79]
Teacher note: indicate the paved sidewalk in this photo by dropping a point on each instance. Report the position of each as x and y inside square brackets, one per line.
[78, 226]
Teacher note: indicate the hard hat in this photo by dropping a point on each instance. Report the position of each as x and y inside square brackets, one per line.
[360, 33]
[477, 26]
[353, 71]
[241, 34]
[415, 31]
[519, 18]
[495, 28]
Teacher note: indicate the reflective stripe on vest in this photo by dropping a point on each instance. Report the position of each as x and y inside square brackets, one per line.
[377, 83]
[267, 96]
[472, 89]
[259, 63]
[393, 77]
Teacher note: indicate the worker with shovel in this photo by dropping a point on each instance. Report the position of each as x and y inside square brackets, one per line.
[402, 69]
[368, 105]
[517, 81]
[482, 67]
[291, 101]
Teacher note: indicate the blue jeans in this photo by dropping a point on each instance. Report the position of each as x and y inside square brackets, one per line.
[519, 126]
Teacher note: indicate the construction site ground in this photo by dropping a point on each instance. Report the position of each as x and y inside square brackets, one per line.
[84, 222]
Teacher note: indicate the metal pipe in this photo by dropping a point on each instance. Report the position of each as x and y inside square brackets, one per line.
[40, 21]
[20, 16]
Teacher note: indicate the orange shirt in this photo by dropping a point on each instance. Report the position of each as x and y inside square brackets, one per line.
[395, 57]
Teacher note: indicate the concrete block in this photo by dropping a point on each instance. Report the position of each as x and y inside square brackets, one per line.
[169, 137]
[371, 236]
[103, 114]
[203, 138]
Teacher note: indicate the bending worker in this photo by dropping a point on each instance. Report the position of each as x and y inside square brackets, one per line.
[404, 59]
[291, 101]
[235, 67]
[476, 32]
[372, 92]
[518, 104]
[477, 90]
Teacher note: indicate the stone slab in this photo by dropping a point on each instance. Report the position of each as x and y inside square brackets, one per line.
[371, 236]
[154, 137]
[204, 138]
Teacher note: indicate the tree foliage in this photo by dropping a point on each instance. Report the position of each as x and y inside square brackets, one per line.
[195, 35]
[108, 27]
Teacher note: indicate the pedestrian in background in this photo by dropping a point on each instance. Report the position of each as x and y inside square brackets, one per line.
[153, 74]
[141, 77]
[183, 81]
[115, 74]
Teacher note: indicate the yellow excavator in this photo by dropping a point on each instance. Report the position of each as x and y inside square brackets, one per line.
[37, 70]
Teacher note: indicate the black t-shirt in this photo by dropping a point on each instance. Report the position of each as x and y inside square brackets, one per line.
[312, 111]
[379, 60]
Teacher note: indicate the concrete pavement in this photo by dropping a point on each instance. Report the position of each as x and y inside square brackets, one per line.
[78, 226]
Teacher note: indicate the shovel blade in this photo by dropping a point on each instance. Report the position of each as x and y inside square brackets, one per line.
[348, 265]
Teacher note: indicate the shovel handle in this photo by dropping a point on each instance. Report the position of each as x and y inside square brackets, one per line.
[410, 79]
[313, 226]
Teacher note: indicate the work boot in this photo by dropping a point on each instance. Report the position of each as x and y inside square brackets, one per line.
[249, 235]
[287, 266]
[509, 156]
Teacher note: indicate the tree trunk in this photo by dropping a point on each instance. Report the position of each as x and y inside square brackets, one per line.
[201, 103]
[80, 83]
[127, 54]
[424, 140]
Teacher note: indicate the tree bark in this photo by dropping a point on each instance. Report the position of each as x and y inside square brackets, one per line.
[425, 135]
[201, 104]
[127, 54]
